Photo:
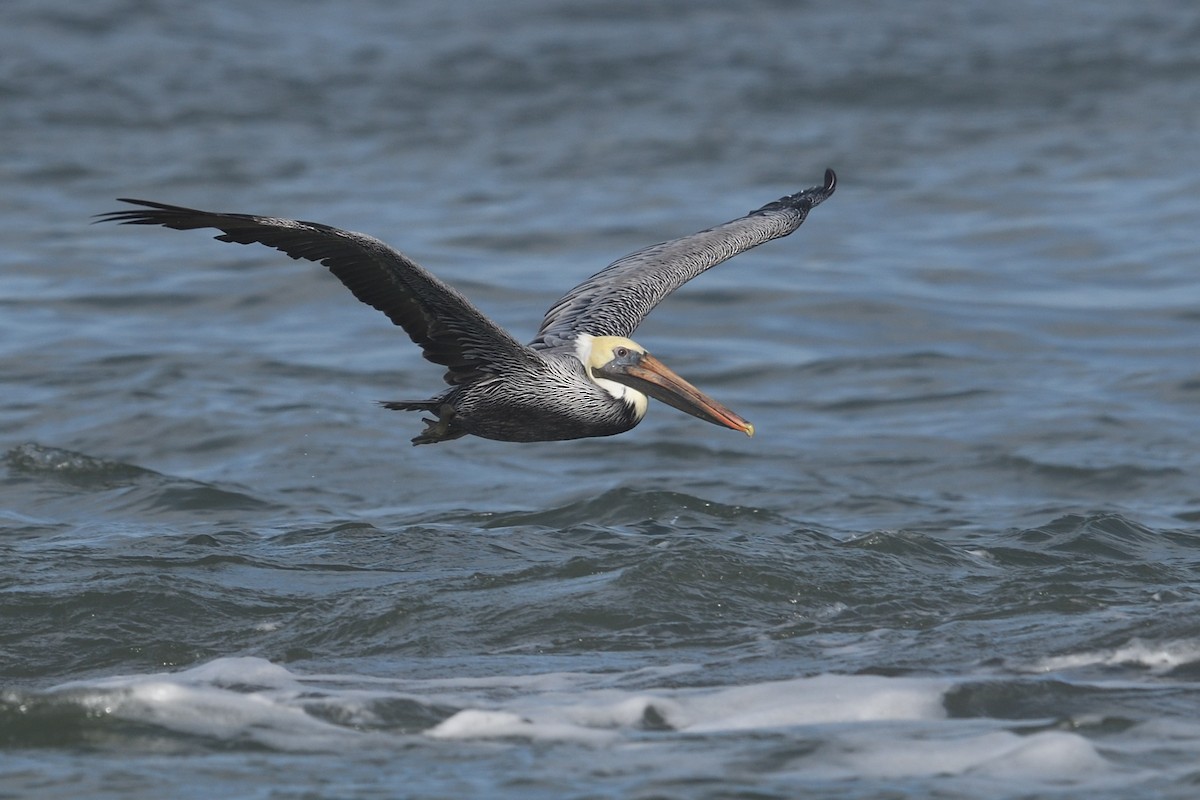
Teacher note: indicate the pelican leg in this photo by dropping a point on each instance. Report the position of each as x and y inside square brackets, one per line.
[440, 429]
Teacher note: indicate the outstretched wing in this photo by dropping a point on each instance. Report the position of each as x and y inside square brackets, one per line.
[614, 301]
[450, 330]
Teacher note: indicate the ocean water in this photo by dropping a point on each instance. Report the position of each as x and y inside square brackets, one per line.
[960, 558]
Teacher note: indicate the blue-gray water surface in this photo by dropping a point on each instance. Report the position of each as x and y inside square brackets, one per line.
[960, 558]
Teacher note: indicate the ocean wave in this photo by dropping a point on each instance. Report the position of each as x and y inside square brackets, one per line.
[832, 727]
[84, 481]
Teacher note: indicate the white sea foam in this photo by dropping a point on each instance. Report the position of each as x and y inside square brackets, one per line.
[963, 750]
[849, 725]
[229, 695]
[821, 699]
[478, 724]
[1158, 657]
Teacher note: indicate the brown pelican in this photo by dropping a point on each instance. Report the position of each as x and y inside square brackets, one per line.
[580, 376]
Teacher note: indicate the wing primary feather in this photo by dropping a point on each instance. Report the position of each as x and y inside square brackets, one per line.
[449, 329]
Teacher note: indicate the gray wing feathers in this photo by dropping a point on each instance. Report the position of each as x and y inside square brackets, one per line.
[614, 301]
[449, 329]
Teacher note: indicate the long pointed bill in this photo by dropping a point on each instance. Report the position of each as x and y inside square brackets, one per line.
[652, 377]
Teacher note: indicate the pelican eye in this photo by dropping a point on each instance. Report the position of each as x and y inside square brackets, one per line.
[621, 352]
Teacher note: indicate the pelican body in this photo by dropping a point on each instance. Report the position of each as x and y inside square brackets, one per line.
[581, 375]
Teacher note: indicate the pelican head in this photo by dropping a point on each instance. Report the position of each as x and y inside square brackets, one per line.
[624, 369]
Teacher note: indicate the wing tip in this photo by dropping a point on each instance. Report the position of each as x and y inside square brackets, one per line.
[817, 194]
[804, 201]
[150, 213]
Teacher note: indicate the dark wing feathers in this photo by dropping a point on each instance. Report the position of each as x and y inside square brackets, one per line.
[614, 301]
[450, 330]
